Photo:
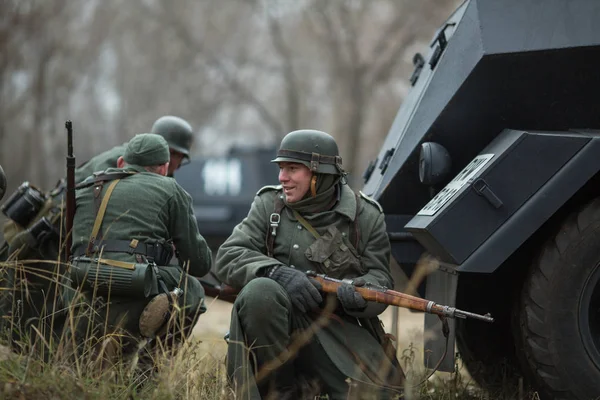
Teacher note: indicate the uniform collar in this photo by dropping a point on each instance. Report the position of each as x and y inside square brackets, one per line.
[347, 203]
[128, 167]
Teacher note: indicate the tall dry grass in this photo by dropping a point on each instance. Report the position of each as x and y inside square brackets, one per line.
[42, 359]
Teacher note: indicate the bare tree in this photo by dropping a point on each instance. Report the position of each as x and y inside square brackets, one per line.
[240, 71]
[47, 48]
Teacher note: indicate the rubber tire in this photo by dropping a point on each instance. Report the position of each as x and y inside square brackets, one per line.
[487, 356]
[549, 315]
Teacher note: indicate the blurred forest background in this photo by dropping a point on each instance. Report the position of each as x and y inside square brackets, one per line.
[242, 72]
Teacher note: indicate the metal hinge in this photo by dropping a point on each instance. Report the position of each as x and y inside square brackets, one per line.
[418, 62]
[386, 159]
[482, 189]
[369, 171]
[441, 41]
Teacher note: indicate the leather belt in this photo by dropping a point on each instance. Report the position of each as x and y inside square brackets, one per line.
[153, 251]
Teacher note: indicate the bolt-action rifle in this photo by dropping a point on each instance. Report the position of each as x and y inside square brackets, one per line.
[381, 294]
[369, 292]
[70, 189]
[219, 291]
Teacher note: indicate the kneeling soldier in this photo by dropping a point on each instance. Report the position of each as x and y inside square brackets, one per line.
[313, 221]
[128, 224]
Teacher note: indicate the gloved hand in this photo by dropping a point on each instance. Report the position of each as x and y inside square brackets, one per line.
[350, 299]
[303, 291]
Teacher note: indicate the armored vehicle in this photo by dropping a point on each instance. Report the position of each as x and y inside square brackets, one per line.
[223, 187]
[492, 166]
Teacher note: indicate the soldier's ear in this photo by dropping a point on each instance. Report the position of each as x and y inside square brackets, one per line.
[120, 162]
[164, 169]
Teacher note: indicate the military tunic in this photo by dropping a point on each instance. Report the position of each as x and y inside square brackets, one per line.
[241, 258]
[150, 208]
[100, 162]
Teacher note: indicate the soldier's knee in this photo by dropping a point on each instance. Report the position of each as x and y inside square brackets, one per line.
[262, 294]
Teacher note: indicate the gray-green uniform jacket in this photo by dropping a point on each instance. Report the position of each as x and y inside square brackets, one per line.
[150, 208]
[100, 162]
[244, 254]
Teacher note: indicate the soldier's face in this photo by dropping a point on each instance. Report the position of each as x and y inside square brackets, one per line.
[174, 161]
[295, 179]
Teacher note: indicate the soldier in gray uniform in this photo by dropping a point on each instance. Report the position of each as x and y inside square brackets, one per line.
[312, 221]
[127, 224]
[177, 132]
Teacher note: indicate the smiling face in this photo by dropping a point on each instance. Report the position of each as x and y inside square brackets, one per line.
[295, 179]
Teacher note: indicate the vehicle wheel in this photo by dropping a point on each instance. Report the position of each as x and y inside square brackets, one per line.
[487, 350]
[487, 355]
[560, 314]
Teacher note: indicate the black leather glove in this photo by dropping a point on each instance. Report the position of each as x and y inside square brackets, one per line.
[303, 291]
[350, 299]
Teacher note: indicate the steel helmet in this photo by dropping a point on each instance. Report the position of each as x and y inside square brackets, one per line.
[176, 131]
[315, 149]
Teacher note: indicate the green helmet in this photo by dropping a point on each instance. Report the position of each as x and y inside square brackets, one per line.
[2, 182]
[176, 131]
[315, 149]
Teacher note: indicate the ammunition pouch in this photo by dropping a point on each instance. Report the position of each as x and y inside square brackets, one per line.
[100, 277]
[334, 255]
[24, 204]
[156, 252]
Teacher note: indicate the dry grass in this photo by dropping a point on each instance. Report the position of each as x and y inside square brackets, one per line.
[37, 365]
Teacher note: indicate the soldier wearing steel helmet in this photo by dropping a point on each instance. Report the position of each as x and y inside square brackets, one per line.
[177, 132]
[127, 223]
[312, 221]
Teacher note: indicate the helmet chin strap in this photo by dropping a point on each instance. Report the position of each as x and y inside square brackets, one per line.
[313, 185]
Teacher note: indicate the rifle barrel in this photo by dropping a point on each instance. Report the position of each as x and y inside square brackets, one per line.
[380, 294]
[70, 200]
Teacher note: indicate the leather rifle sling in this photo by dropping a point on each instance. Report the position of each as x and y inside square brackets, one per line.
[100, 216]
[306, 224]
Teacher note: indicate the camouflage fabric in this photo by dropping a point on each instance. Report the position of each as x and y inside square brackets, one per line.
[241, 262]
[151, 209]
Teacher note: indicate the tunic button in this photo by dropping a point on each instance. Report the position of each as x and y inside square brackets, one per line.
[344, 234]
[299, 227]
[296, 247]
[292, 266]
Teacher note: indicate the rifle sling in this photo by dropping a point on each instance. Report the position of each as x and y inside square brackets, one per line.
[100, 216]
[278, 206]
[100, 178]
[306, 224]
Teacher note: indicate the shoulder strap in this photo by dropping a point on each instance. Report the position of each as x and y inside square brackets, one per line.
[100, 216]
[306, 224]
[268, 188]
[273, 224]
[278, 207]
[102, 177]
[372, 201]
[355, 230]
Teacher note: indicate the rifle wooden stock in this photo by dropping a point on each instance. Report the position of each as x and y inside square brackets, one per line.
[222, 292]
[383, 295]
[390, 297]
[70, 195]
[369, 292]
